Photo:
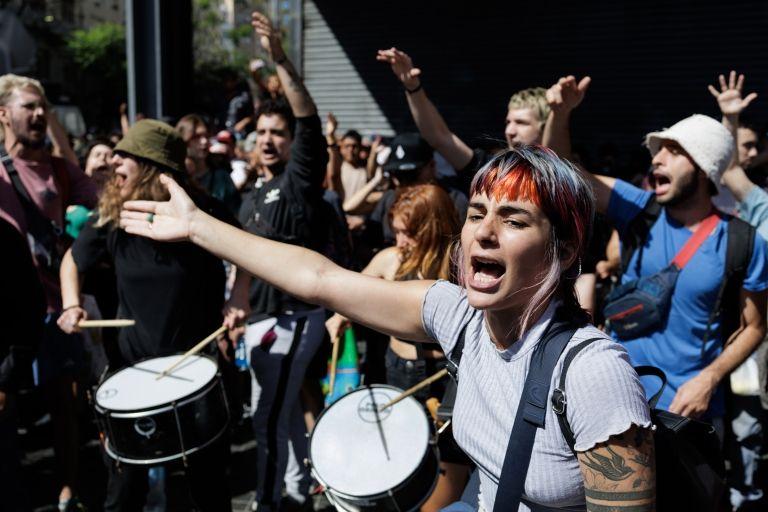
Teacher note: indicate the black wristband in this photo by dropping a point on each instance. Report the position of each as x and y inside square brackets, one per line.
[415, 89]
[282, 60]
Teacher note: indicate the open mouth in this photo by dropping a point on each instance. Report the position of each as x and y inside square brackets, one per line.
[660, 183]
[269, 152]
[486, 273]
[119, 179]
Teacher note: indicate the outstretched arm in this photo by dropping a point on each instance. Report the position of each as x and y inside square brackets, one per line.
[295, 92]
[390, 307]
[430, 123]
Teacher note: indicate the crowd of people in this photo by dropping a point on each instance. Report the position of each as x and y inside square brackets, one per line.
[287, 232]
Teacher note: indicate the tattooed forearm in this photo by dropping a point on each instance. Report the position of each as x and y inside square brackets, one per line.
[295, 91]
[620, 474]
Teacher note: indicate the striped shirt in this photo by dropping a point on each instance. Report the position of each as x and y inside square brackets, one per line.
[604, 396]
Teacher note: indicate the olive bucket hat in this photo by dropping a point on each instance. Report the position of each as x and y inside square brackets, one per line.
[155, 141]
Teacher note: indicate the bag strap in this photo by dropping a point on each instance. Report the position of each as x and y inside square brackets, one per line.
[40, 227]
[531, 412]
[638, 232]
[694, 242]
[455, 358]
[738, 253]
[559, 400]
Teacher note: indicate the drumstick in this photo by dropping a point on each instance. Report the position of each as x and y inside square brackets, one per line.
[194, 350]
[405, 394]
[117, 322]
[334, 360]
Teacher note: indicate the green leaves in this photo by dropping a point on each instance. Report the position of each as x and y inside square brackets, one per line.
[100, 47]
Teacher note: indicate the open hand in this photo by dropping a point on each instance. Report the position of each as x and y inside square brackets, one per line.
[402, 66]
[331, 124]
[729, 96]
[692, 398]
[168, 221]
[567, 94]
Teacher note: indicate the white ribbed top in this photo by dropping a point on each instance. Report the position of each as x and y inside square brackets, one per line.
[604, 396]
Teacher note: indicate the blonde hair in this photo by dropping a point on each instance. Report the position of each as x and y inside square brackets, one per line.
[534, 98]
[148, 187]
[11, 82]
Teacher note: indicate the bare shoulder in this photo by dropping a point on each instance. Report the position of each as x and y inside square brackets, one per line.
[620, 474]
[384, 264]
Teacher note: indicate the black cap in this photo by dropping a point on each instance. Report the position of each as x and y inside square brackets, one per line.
[409, 153]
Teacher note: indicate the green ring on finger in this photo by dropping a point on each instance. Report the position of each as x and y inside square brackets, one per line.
[150, 218]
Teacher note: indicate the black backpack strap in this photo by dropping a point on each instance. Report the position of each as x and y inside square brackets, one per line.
[44, 230]
[559, 399]
[638, 230]
[455, 357]
[531, 412]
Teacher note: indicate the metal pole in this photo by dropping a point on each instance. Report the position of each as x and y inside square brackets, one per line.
[158, 62]
[131, 61]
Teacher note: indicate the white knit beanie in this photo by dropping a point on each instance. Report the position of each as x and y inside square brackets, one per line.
[707, 141]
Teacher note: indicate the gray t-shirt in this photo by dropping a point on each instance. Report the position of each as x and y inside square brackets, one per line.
[604, 396]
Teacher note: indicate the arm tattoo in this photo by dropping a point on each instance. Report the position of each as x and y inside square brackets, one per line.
[620, 474]
[613, 467]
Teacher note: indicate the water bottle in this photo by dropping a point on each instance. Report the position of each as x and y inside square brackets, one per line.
[241, 361]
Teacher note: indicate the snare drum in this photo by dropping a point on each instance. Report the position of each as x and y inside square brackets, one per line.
[374, 460]
[148, 421]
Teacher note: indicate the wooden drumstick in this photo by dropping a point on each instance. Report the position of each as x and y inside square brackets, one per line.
[426, 382]
[117, 322]
[334, 360]
[194, 350]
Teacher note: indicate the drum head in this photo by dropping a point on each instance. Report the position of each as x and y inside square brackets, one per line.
[136, 387]
[358, 451]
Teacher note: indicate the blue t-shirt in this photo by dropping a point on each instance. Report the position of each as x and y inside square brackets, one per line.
[677, 348]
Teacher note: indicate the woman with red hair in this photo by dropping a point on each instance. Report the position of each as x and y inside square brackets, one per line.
[527, 225]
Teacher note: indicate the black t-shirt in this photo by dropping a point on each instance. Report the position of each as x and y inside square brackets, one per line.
[174, 291]
[284, 208]
[378, 221]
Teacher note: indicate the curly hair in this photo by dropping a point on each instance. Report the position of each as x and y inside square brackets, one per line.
[431, 219]
[147, 187]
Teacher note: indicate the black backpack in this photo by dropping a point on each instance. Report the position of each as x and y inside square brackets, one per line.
[690, 473]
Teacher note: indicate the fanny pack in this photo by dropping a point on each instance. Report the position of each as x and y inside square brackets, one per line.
[641, 306]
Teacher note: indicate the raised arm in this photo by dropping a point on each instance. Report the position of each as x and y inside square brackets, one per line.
[59, 139]
[333, 172]
[731, 105]
[390, 307]
[563, 97]
[295, 92]
[428, 120]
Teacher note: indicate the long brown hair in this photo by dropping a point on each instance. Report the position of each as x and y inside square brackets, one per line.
[431, 219]
[147, 187]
